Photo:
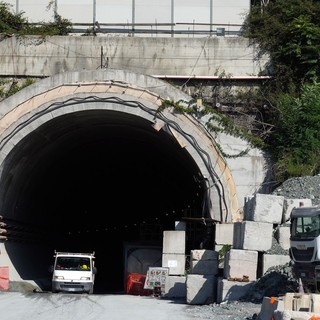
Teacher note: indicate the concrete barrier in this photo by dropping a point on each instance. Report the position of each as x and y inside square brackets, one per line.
[239, 263]
[247, 235]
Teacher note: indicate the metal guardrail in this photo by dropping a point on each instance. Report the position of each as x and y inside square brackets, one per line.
[179, 28]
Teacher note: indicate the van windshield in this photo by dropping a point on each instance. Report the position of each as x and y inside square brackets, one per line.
[73, 263]
[305, 226]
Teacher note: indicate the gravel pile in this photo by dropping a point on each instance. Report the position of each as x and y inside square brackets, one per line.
[307, 187]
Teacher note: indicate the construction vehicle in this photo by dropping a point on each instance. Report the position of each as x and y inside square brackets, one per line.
[73, 272]
[305, 246]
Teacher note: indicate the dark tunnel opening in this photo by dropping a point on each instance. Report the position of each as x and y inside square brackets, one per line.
[96, 181]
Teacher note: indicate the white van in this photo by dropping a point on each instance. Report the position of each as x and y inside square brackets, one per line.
[73, 272]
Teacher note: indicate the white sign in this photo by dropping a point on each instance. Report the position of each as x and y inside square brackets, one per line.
[156, 277]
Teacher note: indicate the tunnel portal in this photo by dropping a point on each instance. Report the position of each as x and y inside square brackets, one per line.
[87, 175]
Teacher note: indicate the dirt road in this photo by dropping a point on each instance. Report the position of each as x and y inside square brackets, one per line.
[48, 306]
[64, 306]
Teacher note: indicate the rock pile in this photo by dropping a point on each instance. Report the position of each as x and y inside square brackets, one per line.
[307, 187]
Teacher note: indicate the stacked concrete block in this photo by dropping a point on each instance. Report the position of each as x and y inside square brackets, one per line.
[282, 235]
[201, 289]
[240, 263]
[289, 204]
[272, 260]
[267, 208]
[269, 305]
[173, 254]
[297, 302]
[315, 302]
[205, 262]
[223, 235]
[247, 235]
[232, 290]
[292, 306]
[175, 287]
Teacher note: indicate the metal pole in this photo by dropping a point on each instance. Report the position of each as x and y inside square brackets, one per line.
[172, 17]
[211, 16]
[17, 6]
[133, 15]
[94, 15]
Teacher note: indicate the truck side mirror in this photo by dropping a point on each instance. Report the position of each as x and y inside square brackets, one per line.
[50, 269]
[95, 270]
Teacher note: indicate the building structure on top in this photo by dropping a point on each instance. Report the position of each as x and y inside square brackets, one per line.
[171, 17]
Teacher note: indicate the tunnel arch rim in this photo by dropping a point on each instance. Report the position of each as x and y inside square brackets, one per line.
[156, 99]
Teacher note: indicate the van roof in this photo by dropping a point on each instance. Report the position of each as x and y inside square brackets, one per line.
[79, 254]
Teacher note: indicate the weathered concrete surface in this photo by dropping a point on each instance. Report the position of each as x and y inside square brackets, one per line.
[36, 56]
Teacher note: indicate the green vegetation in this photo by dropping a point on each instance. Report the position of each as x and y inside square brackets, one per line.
[17, 24]
[289, 32]
[289, 103]
[225, 248]
[9, 87]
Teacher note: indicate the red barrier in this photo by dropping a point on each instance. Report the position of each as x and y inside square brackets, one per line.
[135, 284]
[4, 278]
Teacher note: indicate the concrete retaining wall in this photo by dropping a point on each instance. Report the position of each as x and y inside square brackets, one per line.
[36, 56]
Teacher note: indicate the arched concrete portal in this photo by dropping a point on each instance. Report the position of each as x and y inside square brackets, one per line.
[88, 154]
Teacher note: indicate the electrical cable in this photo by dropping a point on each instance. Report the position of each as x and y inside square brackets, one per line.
[156, 115]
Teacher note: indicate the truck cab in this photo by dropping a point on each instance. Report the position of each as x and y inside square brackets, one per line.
[305, 244]
[73, 272]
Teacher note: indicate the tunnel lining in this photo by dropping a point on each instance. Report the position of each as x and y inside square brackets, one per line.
[227, 208]
[29, 110]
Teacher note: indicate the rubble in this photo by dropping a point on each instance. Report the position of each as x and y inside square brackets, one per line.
[307, 187]
[276, 282]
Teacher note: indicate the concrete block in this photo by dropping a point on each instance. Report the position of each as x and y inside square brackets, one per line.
[282, 235]
[218, 247]
[315, 303]
[232, 290]
[272, 260]
[174, 242]
[204, 255]
[289, 204]
[201, 289]
[269, 305]
[175, 262]
[267, 208]
[239, 263]
[247, 235]
[294, 315]
[204, 267]
[224, 233]
[297, 302]
[175, 287]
